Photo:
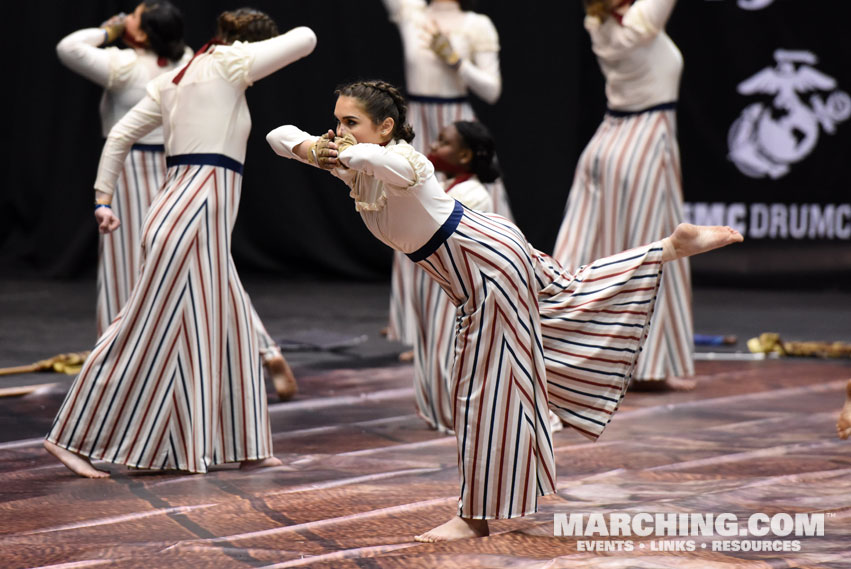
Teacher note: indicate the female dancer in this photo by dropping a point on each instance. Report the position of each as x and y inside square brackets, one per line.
[174, 382]
[155, 33]
[464, 153]
[628, 185]
[515, 304]
[460, 53]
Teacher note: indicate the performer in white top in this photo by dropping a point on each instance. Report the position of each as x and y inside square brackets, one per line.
[154, 32]
[175, 382]
[515, 306]
[449, 50]
[627, 189]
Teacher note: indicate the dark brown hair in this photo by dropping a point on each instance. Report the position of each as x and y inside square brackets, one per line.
[245, 24]
[381, 100]
[163, 24]
[476, 137]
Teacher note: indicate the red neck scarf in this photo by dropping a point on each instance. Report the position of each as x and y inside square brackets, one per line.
[204, 49]
[458, 179]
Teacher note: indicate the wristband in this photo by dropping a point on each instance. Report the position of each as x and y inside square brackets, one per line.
[97, 205]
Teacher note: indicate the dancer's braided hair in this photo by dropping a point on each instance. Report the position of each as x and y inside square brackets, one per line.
[245, 24]
[381, 100]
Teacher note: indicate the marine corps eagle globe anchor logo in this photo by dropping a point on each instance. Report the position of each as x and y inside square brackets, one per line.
[766, 139]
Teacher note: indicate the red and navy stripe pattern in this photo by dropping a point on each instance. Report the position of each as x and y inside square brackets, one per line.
[175, 381]
[120, 252]
[428, 116]
[498, 389]
[627, 191]
[594, 323]
[531, 334]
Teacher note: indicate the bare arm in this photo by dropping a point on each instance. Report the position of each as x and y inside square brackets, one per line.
[275, 53]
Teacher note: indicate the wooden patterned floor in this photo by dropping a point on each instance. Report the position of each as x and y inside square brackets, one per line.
[363, 475]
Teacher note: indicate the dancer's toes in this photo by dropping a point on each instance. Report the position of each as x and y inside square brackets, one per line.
[261, 463]
[79, 465]
[688, 239]
[456, 528]
[282, 376]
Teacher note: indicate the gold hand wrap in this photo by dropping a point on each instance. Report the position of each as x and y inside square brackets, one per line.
[441, 45]
[344, 142]
[319, 153]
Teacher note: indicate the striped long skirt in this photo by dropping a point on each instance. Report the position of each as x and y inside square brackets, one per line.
[428, 116]
[175, 381]
[627, 191]
[500, 377]
[120, 252]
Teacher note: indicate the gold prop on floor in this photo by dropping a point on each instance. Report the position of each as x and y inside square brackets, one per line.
[770, 342]
[62, 363]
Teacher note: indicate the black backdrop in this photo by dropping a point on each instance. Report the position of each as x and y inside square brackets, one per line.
[295, 221]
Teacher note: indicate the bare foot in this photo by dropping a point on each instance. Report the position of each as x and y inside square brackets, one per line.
[843, 425]
[77, 464]
[456, 528]
[282, 376]
[555, 423]
[662, 385]
[407, 356]
[261, 463]
[688, 240]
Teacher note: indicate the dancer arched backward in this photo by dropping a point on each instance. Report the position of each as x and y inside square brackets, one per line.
[155, 33]
[449, 51]
[627, 189]
[464, 153]
[174, 382]
[574, 349]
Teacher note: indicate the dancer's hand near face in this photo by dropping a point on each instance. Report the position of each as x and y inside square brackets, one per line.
[323, 152]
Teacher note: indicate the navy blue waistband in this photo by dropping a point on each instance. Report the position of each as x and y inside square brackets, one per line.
[440, 236]
[204, 160]
[660, 107]
[438, 100]
[149, 147]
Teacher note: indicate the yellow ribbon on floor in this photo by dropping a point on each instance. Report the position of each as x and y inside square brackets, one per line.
[770, 342]
[62, 363]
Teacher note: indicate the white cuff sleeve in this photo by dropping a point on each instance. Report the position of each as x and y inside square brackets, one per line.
[139, 121]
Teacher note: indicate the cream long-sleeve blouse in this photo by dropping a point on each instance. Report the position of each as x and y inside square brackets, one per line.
[206, 112]
[393, 186]
[123, 73]
[472, 35]
[641, 64]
